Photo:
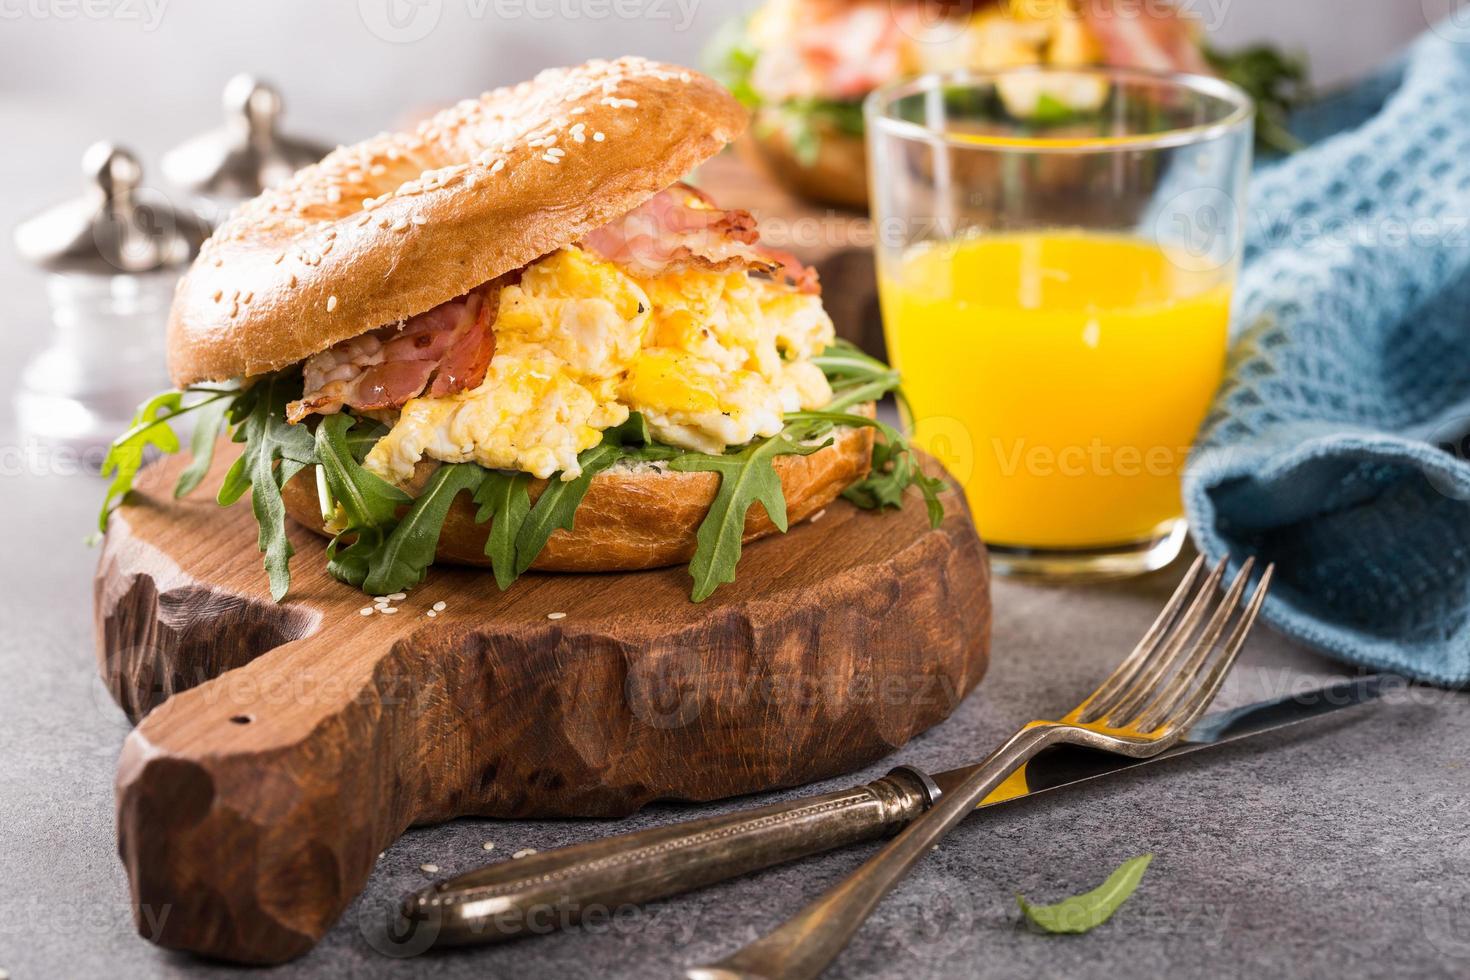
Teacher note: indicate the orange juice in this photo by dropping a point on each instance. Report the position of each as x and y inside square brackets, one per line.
[1060, 376]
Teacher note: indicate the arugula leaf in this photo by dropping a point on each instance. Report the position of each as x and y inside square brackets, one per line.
[1278, 83]
[207, 423]
[404, 557]
[275, 451]
[150, 428]
[730, 58]
[505, 503]
[895, 468]
[1083, 913]
[745, 478]
[557, 505]
[368, 500]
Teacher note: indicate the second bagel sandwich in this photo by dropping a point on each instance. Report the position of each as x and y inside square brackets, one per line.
[515, 338]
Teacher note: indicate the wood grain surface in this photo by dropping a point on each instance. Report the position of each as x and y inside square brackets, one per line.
[291, 743]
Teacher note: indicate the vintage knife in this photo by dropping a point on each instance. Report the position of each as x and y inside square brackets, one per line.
[607, 877]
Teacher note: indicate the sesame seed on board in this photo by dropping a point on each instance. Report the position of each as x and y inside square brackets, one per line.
[489, 845]
[556, 615]
[524, 852]
[429, 869]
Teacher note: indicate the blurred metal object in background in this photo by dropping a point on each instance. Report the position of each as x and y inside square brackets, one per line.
[114, 256]
[247, 154]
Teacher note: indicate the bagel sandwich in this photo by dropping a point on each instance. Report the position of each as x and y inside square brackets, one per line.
[803, 67]
[515, 338]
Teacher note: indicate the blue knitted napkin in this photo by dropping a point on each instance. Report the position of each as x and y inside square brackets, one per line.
[1337, 447]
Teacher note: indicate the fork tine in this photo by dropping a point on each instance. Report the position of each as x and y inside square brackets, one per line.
[1119, 678]
[1177, 687]
[1126, 708]
[1187, 714]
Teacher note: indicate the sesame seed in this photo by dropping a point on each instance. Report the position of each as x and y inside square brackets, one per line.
[429, 869]
[556, 615]
[598, 137]
[400, 225]
[579, 111]
[388, 610]
[366, 611]
[498, 166]
[524, 852]
[381, 598]
[489, 845]
[398, 595]
[279, 259]
[556, 152]
[440, 606]
[431, 614]
[331, 303]
[818, 515]
[550, 159]
[419, 219]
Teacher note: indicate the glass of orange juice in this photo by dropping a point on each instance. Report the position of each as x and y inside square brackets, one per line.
[1056, 254]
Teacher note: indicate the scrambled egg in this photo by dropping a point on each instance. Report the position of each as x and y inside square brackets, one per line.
[711, 359]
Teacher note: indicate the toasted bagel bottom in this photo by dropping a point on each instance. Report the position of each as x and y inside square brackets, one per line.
[639, 516]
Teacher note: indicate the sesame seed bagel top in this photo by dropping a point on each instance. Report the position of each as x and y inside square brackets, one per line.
[400, 223]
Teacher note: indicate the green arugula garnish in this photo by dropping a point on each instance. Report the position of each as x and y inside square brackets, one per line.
[746, 477]
[506, 503]
[895, 468]
[386, 539]
[366, 500]
[404, 557]
[557, 505]
[1278, 83]
[151, 429]
[275, 451]
[1083, 913]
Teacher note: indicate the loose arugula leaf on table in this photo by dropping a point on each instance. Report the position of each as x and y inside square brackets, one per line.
[1083, 913]
[275, 451]
[405, 554]
[746, 477]
[151, 428]
[506, 503]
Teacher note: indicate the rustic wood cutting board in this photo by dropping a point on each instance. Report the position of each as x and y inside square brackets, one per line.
[294, 742]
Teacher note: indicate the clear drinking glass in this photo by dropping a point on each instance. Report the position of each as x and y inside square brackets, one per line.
[1056, 253]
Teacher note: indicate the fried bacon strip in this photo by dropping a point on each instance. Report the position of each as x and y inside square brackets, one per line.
[445, 350]
[681, 227]
[1152, 36]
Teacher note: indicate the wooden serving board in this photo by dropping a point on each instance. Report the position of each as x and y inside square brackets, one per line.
[292, 743]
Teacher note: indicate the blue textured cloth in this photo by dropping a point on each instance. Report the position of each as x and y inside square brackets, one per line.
[1328, 450]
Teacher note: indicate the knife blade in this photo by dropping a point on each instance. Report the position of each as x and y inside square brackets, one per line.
[1067, 765]
[557, 887]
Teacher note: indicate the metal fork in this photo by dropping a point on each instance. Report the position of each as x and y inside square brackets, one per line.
[1142, 709]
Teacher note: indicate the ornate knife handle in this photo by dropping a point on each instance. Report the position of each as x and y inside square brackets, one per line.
[546, 891]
